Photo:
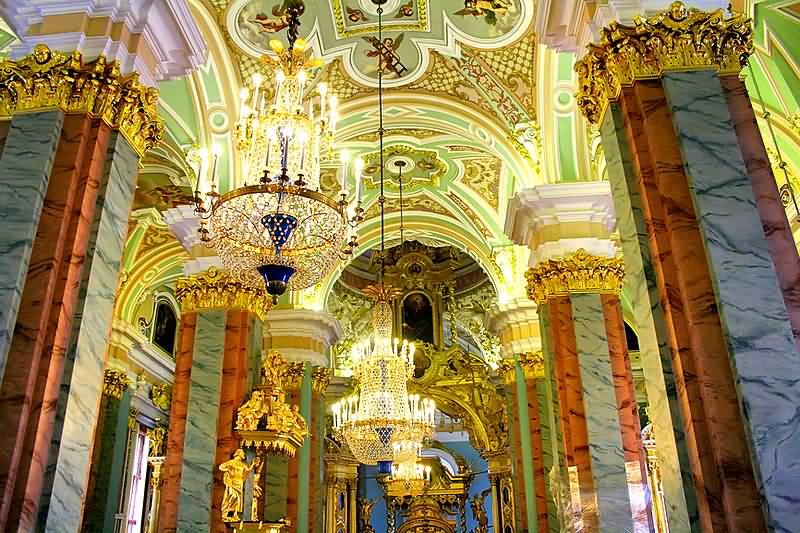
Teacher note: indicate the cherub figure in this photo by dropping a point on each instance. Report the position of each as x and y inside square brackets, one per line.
[490, 10]
[386, 50]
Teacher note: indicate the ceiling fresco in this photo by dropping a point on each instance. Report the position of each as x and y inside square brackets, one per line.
[347, 29]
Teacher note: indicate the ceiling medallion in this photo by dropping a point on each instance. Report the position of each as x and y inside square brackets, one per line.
[281, 231]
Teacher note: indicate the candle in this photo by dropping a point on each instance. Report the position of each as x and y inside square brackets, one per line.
[323, 90]
[257, 79]
[359, 168]
[334, 103]
[215, 150]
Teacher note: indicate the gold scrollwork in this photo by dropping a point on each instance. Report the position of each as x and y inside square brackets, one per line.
[676, 39]
[115, 383]
[580, 272]
[532, 364]
[52, 80]
[322, 378]
[215, 289]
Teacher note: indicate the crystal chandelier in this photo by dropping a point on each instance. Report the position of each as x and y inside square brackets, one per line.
[382, 423]
[281, 230]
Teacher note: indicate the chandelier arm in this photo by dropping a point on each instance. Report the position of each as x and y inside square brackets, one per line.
[382, 197]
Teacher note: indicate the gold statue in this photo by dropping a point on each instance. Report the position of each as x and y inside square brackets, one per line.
[258, 466]
[248, 415]
[479, 512]
[235, 471]
[366, 515]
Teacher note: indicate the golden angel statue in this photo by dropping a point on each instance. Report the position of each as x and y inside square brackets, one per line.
[235, 472]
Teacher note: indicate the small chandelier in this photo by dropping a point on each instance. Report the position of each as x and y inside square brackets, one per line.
[281, 230]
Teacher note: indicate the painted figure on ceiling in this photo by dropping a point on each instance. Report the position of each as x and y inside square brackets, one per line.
[490, 10]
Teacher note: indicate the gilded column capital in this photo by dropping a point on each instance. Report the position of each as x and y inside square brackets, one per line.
[292, 375]
[322, 378]
[507, 369]
[46, 79]
[678, 39]
[115, 383]
[216, 289]
[532, 364]
[580, 272]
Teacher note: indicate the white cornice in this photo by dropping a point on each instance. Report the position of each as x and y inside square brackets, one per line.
[318, 325]
[167, 27]
[184, 222]
[141, 352]
[544, 205]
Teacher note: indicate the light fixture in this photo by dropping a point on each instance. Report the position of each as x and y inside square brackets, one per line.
[280, 230]
[381, 422]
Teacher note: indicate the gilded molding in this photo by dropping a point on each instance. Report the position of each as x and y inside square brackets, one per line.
[580, 272]
[678, 39]
[292, 375]
[52, 80]
[115, 383]
[216, 289]
[322, 378]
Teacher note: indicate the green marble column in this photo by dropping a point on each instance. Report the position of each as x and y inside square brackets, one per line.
[108, 463]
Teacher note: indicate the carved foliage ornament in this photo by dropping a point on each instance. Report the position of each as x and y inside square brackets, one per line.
[580, 272]
[677, 39]
[52, 80]
[115, 383]
[215, 289]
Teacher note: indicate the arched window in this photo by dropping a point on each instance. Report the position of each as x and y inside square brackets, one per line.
[631, 338]
[165, 326]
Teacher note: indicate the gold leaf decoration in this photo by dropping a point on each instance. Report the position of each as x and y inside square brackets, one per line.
[53, 80]
[677, 39]
[580, 272]
[215, 289]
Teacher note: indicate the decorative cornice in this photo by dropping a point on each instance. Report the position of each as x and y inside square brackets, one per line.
[115, 383]
[216, 289]
[532, 364]
[52, 80]
[322, 378]
[678, 39]
[576, 273]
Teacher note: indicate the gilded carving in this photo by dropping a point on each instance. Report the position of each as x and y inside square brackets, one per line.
[580, 272]
[48, 79]
[215, 289]
[532, 364]
[265, 420]
[115, 383]
[234, 473]
[291, 375]
[678, 39]
[157, 436]
[322, 378]
[161, 396]
[507, 369]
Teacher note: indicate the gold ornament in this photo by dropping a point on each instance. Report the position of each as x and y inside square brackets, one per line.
[292, 375]
[678, 39]
[506, 368]
[161, 396]
[322, 378]
[580, 272]
[115, 383]
[157, 436]
[265, 420]
[52, 80]
[215, 289]
[532, 364]
[234, 472]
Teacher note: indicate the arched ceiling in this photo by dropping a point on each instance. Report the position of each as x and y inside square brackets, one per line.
[464, 115]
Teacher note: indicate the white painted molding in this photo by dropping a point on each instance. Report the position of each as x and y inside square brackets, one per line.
[167, 28]
[318, 325]
[142, 353]
[184, 222]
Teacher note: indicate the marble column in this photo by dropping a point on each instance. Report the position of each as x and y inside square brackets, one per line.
[595, 386]
[691, 177]
[305, 337]
[60, 271]
[106, 480]
[212, 371]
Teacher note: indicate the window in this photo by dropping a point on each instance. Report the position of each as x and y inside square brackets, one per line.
[166, 324]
